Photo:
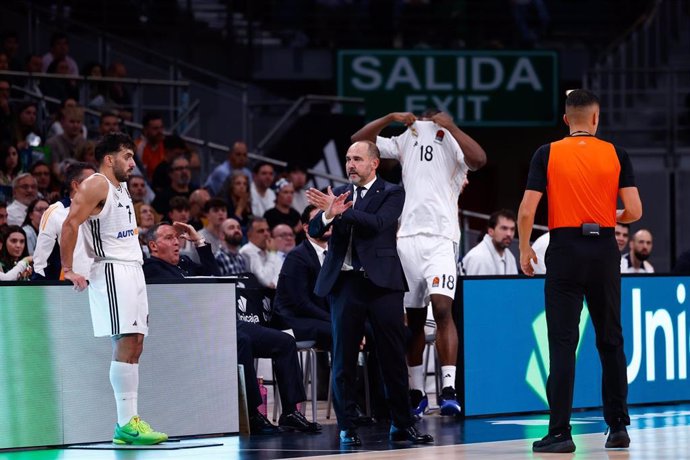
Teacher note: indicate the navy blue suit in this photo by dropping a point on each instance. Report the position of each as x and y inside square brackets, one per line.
[306, 313]
[375, 293]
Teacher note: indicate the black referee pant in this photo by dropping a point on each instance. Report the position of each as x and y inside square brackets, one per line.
[586, 267]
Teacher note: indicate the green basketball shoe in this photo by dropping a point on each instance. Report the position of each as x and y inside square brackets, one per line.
[137, 432]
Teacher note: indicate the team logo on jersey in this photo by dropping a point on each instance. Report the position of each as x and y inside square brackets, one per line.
[435, 282]
[119, 205]
[127, 233]
[439, 136]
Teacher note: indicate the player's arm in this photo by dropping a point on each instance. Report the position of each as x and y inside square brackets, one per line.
[632, 205]
[91, 193]
[372, 129]
[475, 156]
[528, 209]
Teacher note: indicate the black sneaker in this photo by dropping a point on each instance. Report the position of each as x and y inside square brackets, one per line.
[618, 438]
[561, 443]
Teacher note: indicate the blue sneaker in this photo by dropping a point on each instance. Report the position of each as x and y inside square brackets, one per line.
[449, 402]
[419, 403]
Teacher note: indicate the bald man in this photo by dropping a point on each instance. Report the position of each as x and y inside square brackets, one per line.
[640, 248]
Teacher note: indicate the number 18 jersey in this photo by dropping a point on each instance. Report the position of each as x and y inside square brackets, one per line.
[433, 170]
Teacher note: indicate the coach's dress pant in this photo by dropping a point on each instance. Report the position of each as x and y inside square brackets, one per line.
[586, 267]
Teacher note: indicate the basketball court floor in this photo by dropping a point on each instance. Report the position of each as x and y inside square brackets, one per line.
[657, 432]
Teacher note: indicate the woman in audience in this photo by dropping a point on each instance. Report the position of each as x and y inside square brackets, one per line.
[25, 132]
[10, 166]
[32, 222]
[236, 193]
[15, 263]
[147, 217]
[48, 184]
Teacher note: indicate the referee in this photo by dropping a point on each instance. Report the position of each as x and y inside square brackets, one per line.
[582, 177]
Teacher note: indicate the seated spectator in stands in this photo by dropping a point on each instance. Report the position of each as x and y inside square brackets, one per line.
[110, 123]
[229, 259]
[10, 166]
[297, 175]
[48, 185]
[640, 246]
[262, 196]
[622, 233]
[64, 146]
[237, 161]
[95, 90]
[167, 263]
[14, 253]
[260, 255]
[5, 110]
[236, 192]
[180, 186]
[216, 211]
[150, 148]
[9, 45]
[682, 266]
[24, 191]
[56, 127]
[306, 313]
[146, 218]
[197, 203]
[59, 49]
[24, 125]
[492, 255]
[118, 98]
[31, 223]
[47, 263]
[136, 185]
[283, 212]
[86, 153]
[173, 147]
[179, 212]
[60, 88]
[284, 239]
[3, 214]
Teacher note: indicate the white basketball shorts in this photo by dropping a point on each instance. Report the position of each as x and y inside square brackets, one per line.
[117, 297]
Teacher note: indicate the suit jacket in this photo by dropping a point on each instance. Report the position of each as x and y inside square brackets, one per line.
[156, 269]
[295, 297]
[373, 226]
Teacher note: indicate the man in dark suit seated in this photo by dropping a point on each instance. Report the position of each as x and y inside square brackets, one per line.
[163, 241]
[363, 279]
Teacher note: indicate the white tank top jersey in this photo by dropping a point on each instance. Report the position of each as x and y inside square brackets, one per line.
[433, 170]
[112, 234]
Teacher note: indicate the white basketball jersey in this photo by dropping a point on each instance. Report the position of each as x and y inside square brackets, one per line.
[433, 170]
[112, 234]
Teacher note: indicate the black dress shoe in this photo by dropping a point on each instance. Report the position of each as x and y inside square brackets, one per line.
[260, 425]
[363, 419]
[409, 434]
[618, 438]
[295, 420]
[349, 437]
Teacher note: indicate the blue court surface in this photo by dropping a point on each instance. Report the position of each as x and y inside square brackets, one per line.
[656, 432]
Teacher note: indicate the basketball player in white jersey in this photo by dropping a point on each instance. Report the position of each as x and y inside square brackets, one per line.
[117, 291]
[435, 156]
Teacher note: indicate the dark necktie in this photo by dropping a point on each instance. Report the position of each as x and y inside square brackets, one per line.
[360, 196]
[356, 264]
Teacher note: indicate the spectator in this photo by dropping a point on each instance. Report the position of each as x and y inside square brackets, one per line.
[173, 147]
[95, 90]
[228, 257]
[259, 253]
[137, 188]
[283, 212]
[47, 264]
[118, 98]
[4, 61]
[539, 247]
[86, 153]
[216, 212]
[24, 191]
[236, 191]
[24, 126]
[64, 146]
[622, 233]
[146, 218]
[166, 262]
[48, 186]
[59, 49]
[179, 212]
[180, 177]
[197, 203]
[14, 257]
[306, 313]
[284, 239]
[237, 160]
[3, 215]
[10, 166]
[150, 149]
[110, 123]
[297, 175]
[10, 46]
[263, 198]
[5, 110]
[56, 128]
[640, 246]
[492, 256]
[60, 88]
[31, 223]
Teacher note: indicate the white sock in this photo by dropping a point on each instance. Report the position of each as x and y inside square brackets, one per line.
[415, 375]
[448, 373]
[124, 378]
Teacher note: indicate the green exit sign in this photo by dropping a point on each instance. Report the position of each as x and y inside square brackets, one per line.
[478, 88]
